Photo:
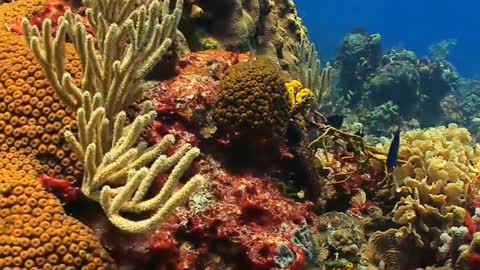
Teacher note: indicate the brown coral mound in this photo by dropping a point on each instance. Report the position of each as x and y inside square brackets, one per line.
[253, 99]
[267, 27]
[34, 231]
[32, 117]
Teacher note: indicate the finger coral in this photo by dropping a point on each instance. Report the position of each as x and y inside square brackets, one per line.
[34, 231]
[32, 117]
[253, 99]
[309, 71]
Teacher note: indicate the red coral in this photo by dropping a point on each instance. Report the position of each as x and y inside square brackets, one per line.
[473, 191]
[474, 260]
[351, 175]
[250, 218]
[63, 189]
[195, 89]
[180, 131]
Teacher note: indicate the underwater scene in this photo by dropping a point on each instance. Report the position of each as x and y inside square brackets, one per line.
[238, 135]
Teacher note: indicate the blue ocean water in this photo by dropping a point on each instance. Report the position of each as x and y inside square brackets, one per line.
[409, 24]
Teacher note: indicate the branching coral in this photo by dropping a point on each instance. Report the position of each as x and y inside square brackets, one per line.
[130, 41]
[34, 231]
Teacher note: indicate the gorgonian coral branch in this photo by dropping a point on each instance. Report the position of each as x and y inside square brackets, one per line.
[310, 73]
[128, 42]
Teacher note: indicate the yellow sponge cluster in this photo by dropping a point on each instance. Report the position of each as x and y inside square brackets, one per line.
[34, 231]
[297, 94]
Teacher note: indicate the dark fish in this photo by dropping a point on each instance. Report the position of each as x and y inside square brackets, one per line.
[335, 120]
[392, 157]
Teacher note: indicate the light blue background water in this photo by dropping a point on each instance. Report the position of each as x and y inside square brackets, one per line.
[410, 24]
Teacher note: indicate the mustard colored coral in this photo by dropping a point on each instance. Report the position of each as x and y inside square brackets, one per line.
[439, 164]
[17, 10]
[253, 99]
[34, 231]
[430, 187]
[32, 117]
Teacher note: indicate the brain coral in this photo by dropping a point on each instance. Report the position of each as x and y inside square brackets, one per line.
[32, 117]
[253, 99]
[34, 231]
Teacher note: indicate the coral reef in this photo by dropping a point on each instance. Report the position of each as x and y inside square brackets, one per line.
[358, 57]
[266, 28]
[365, 79]
[33, 118]
[115, 175]
[244, 219]
[277, 185]
[385, 113]
[35, 233]
[396, 80]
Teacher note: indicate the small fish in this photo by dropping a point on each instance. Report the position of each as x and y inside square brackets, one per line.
[392, 157]
[335, 120]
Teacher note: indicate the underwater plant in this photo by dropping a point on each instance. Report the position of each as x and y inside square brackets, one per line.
[114, 173]
[310, 73]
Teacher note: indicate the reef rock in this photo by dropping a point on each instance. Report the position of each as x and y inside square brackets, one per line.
[264, 27]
